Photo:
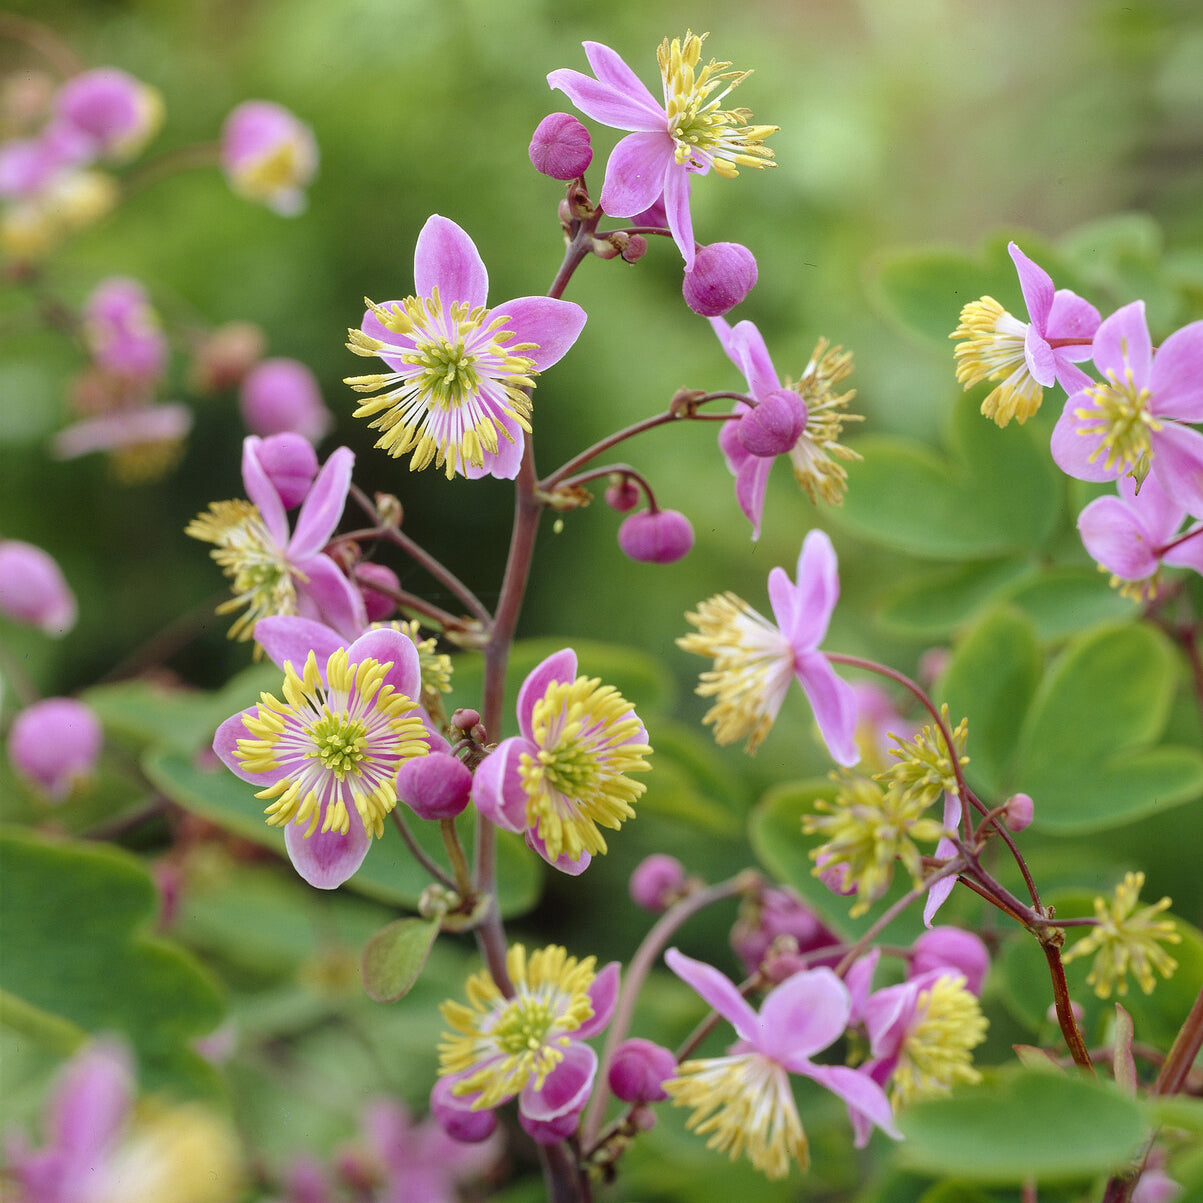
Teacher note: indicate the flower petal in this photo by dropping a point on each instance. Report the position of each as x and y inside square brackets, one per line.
[565, 1089]
[1072, 451]
[560, 666]
[817, 592]
[327, 858]
[261, 491]
[497, 784]
[1039, 357]
[751, 487]
[1036, 285]
[1178, 465]
[833, 701]
[860, 1092]
[384, 645]
[1176, 379]
[447, 259]
[803, 1015]
[563, 862]
[91, 1102]
[635, 173]
[604, 994]
[289, 639]
[325, 595]
[323, 505]
[225, 741]
[1072, 317]
[718, 990]
[1122, 342]
[620, 100]
[1115, 537]
[553, 326]
[676, 207]
[506, 462]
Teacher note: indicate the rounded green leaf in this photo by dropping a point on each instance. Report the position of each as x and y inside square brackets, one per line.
[394, 957]
[932, 604]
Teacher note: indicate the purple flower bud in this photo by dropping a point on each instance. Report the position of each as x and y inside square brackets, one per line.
[1019, 812]
[291, 465]
[33, 589]
[656, 880]
[639, 1070]
[54, 745]
[435, 786]
[281, 395]
[117, 113]
[379, 605]
[635, 248]
[465, 719]
[456, 1118]
[773, 427]
[122, 330]
[268, 155]
[560, 147]
[623, 495]
[953, 949]
[656, 536]
[723, 274]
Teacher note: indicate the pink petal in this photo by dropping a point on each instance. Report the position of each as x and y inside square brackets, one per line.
[326, 859]
[553, 326]
[1072, 451]
[717, 990]
[225, 741]
[860, 1092]
[817, 592]
[604, 994]
[1188, 553]
[565, 1089]
[1176, 380]
[751, 486]
[747, 349]
[1070, 377]
[1122, 342]
[497, 785]
[447, 259]
[261, 491]
[803, 1015]
[888, 1014]
[323, 506]
[1158, 513]
[559, 667]
[859, 980]
[676, 206]
[1072, 317]
[286, 638]
[385, 645]
[92, 1100]
[1036, 285]
[937, 896]
[635, 173]
[1039, 358]
[564, 863]
[324, 594]
[611, 69]
[632, 108]
[833, 701]
[1116, 538]
[1178, 465]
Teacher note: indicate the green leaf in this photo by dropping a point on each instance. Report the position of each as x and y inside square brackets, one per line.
[1024, 1125]
[1066, 601]
[394, 957]
[990, 680]
[936, 602]
[78, 953]
[997, 494]
[1086, 753]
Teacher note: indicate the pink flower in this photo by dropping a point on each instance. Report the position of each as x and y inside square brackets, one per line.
[143, 440]
[54, 744]
[115, 112]
[33, 589]
[745, 1099]
[458, 392]
[938, 894]
[280, 395]
[1138, 420]
[122, 330]
[269, 155]
[689, 134]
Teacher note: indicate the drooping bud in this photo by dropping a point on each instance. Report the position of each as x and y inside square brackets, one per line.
[622, 494]
[268, 155]
[1019, 812]
[456, 1118]
[774, 426]
[560, 147]
[656, 536]
[54, 745]
[33, 589]
[638, 1071]
[435, 786]
[280, 395]
[379, 605]
[291, 465]
[954, 949]
[723, 274]
[116, 112]
[657, 880]
[224, 357]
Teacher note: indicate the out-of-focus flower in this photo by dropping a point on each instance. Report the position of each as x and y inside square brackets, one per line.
[33, 589]
[1132, 535]
[745, 1099]
[269, 155]
[378, 603]
[458, 392]
[54, 744]
[279, 395]
[723, 273]
[638, 1071]
[143, 441]
[560, 147]
[1026, 357]
[656, 882]
[567, 773]
[656, 536]
[221, 358]
[1138, 419]
[117, 113]
[689, 134]
[775, 912]
[275, 571]
[816, 454]
[877, 719]
[755, 660]
[531, 1044]
[122, 330]
[1127, 940]
[327, 756]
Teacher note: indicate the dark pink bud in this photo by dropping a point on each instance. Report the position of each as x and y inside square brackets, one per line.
[723, 274]
[560, 147]
[455, 1117]
[1019, 812]
[952, 949]
[656, 536]
[623, 495]
[635, 248]
[33, 589]
[54, 745]
[465, 719]
[290, 463]
[435, 786]
[639, 1070]
[656, 880]
[773, 427]
[281, 395]
[379, 605]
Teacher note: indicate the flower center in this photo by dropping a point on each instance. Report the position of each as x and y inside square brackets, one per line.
[339, 742]
[523, 1026]
[1120, 415]
[937, 1051]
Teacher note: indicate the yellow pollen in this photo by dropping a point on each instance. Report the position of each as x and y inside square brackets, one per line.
[994, 350]
[1119, 412]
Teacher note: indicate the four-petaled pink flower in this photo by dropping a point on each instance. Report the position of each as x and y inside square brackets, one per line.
[745, 1098]
[458, 393]
[688, 134]
[1136, 421]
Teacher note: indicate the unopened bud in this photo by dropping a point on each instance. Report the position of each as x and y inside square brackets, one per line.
[954, 949]
[635, 249]
[379, 604]
[54, 745]
[656, 536]
[280, 395]
[1018, 812]
[657, 880]
[773, 427]
[435, 786]
[604, 248]
[465, 719]
[639, 1070]
[622, 494]
[291, 465]
[390, 509]
[723, 274]
[33, 589]
[560, 147]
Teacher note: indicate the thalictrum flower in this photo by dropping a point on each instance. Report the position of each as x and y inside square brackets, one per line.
[745, 1099]
[33, 588]
[755, 659]
[326, 757]
[458, 392]
[816, 452]
[689, 134]
[143, 440]
[268, 155]
[54, 744]
[1136, 421]
[116, 113]
[566, 774]
[275, 571]
[1026, 357]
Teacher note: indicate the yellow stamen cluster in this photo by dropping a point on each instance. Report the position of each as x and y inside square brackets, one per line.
[436, 409]
[753, 666]
[435, 667]
[502, 1043]
[924, 765]
[702, 130]
[869, 828]
[937, 1051]
[747, 1105]
[993, 350]
[248, 555]
[339, 742]
[814, 456]
[1127, 940]
[1119, 413]
[589, 739]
